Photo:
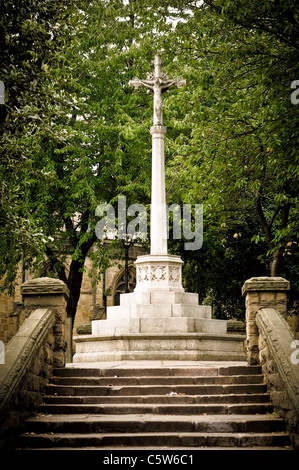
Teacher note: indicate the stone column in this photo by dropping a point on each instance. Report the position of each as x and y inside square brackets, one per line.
[261, 292]
[45, 292]
[158, 198]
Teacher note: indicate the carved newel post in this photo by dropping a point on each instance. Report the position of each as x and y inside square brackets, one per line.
[45, 292]
[262, 292]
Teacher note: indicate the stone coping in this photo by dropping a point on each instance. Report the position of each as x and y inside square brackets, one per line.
[265, 284]
[44, 285]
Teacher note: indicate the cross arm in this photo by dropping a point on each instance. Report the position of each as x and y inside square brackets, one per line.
[180, 82]
[136, 83]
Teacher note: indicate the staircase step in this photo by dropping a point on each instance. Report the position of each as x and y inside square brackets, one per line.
[157, 371]
[98, 390]
[158, 380]
[172, 398]
[160, 407]
[85, 423]
[164, 439]
[256, 408]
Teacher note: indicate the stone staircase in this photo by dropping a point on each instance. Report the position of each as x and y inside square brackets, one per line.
[200, 407]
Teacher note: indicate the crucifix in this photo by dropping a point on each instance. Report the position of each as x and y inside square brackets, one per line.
[158, 83]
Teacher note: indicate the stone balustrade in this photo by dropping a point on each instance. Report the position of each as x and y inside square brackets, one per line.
[271, 343]
[51, 293]
[38, 346]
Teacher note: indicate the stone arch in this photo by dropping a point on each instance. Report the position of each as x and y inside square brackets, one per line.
[119, 283]
[47, 267]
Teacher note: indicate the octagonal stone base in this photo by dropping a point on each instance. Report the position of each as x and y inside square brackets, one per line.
[157, 272]
[175, 346]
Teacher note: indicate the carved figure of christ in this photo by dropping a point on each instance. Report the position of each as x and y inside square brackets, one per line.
[158, 83]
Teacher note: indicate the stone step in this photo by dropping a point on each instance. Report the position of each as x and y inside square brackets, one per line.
[85, 423]
[167, 409]
[158, 297]
[118, 408]
[171, 398]
[155, 311]
[98, 390]
[156, 380]
[157, 371]
[158, 324]
[167, 439]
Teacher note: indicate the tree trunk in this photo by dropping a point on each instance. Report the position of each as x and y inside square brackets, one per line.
[74, 281]
[74, 284]
[276, 264]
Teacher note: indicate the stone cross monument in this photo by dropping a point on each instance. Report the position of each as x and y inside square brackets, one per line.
[158, 83]
[159, 320]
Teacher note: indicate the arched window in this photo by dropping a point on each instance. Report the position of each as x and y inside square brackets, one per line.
[120, 284]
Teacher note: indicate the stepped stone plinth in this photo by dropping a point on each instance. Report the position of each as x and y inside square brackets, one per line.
[159, 324]
[159, 321]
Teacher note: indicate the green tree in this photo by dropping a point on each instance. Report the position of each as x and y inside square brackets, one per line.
[235, 138]
[75, 135]
[31, 33]
[104, 156]
[93, 146]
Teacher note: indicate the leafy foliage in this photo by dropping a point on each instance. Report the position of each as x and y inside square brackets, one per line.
[235, 140]
[30, 34]
[74, 135]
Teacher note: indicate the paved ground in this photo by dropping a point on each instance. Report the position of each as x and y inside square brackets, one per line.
[153, 364]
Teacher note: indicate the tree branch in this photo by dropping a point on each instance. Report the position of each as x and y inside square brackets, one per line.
[265, 225]
[54, 260]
